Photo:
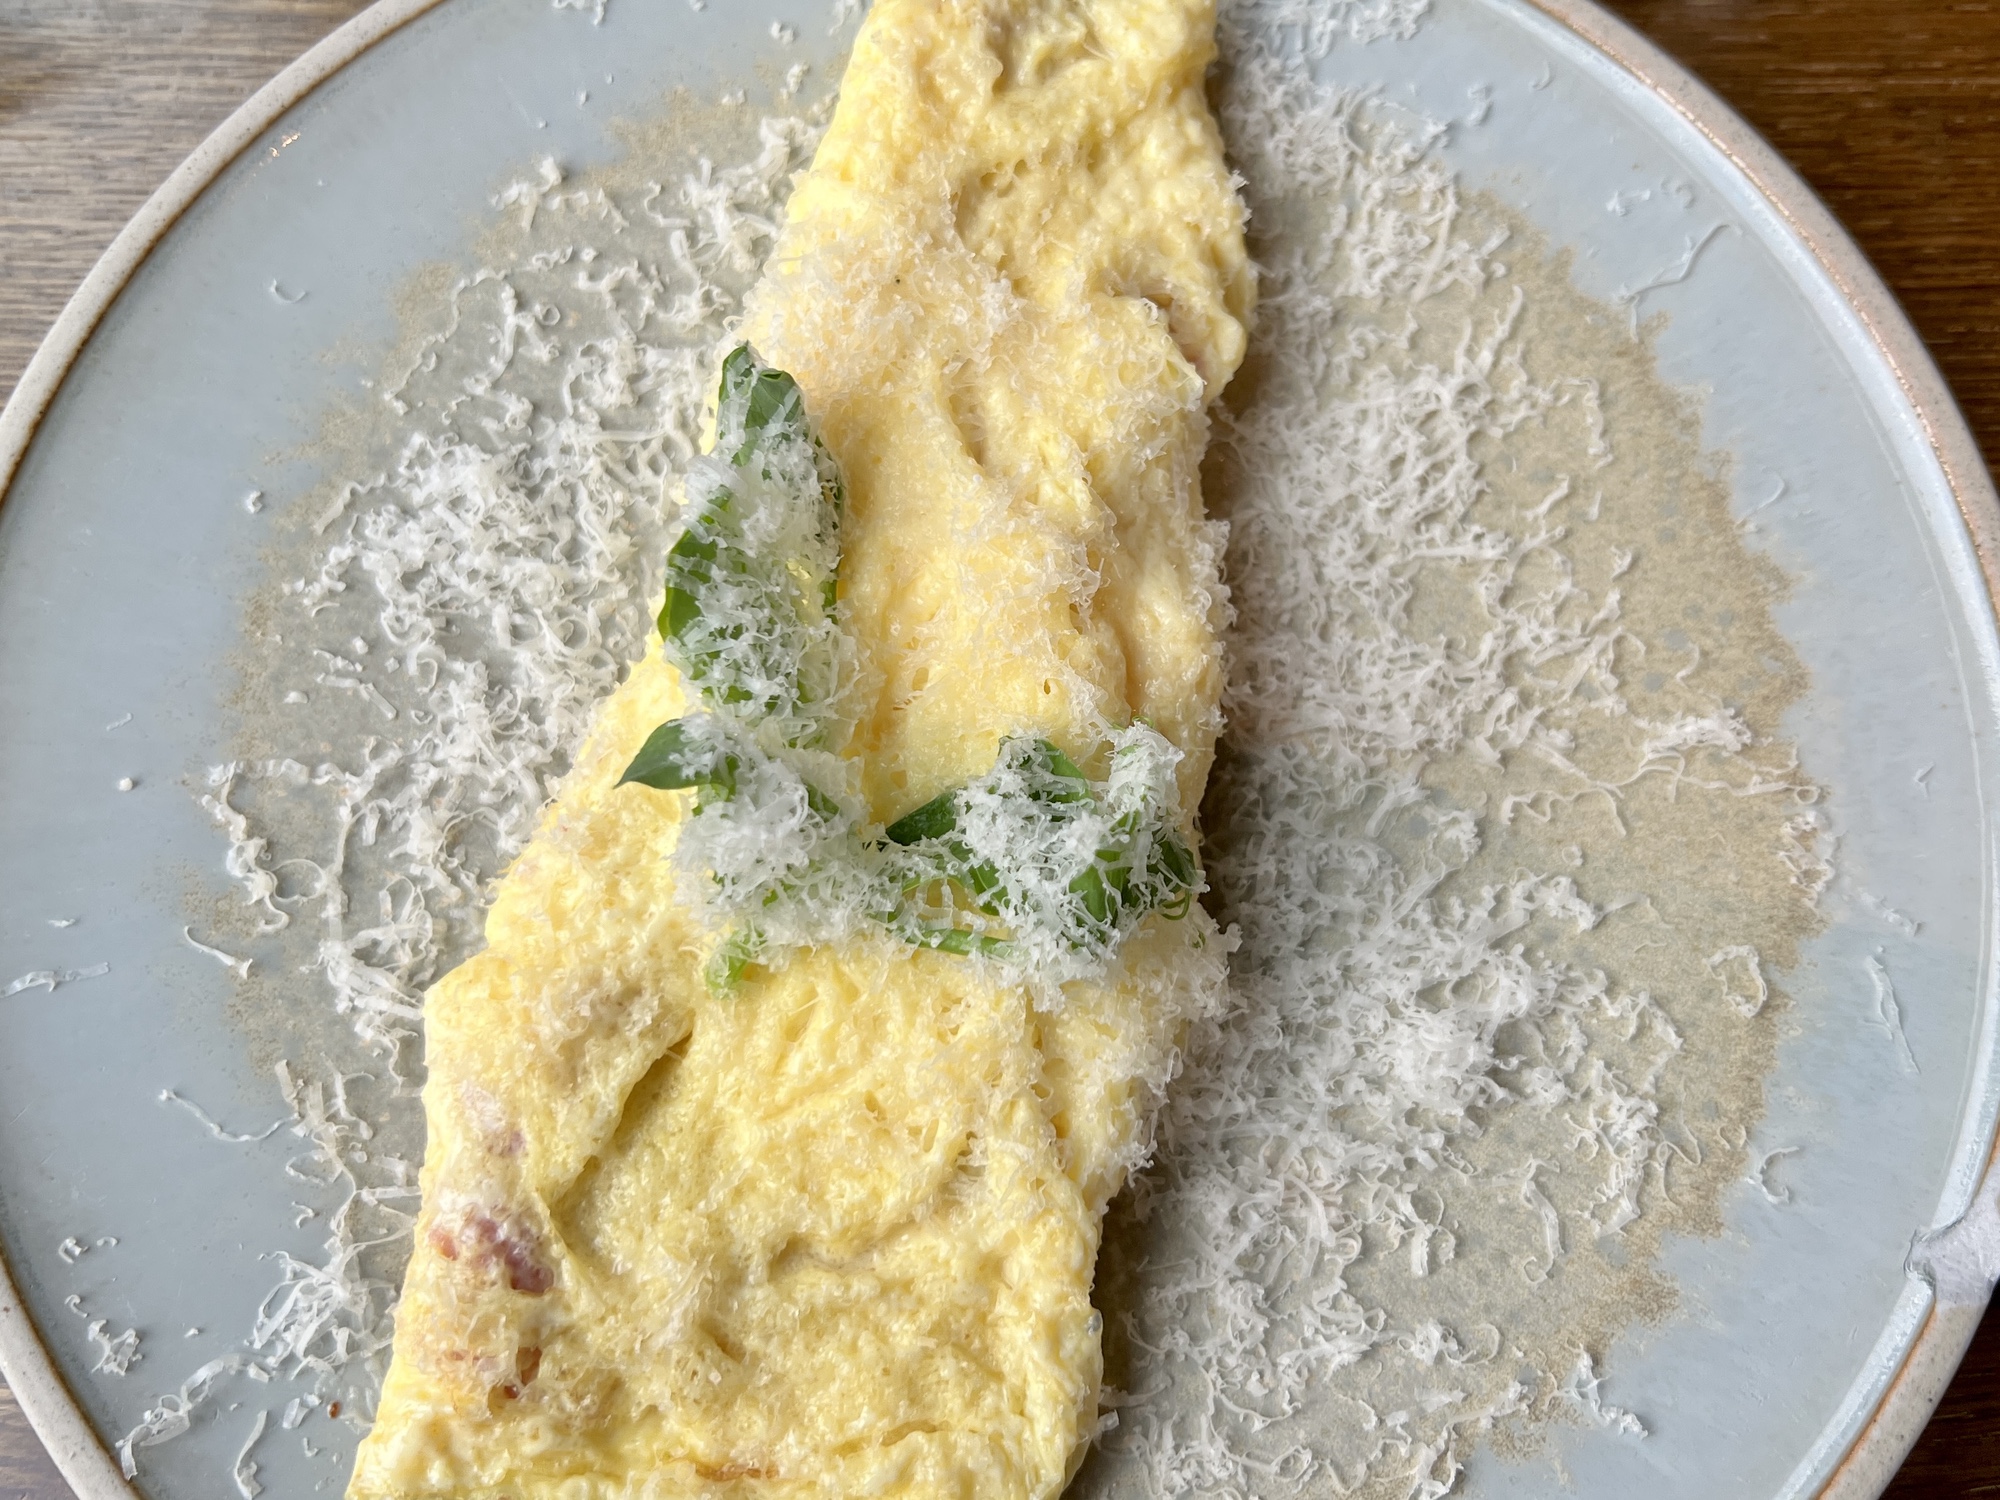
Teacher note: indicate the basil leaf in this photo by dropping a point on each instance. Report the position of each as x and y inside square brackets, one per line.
[1061, 778]
[738, 951]
[753, 580]
[936, 819]
[686, 574]
[1140, 865]
[770, 399]
[823, 807]
[956, 940]
[1099, 900]
[672, 759]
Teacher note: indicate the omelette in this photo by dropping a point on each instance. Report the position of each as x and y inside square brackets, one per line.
[771, 1133]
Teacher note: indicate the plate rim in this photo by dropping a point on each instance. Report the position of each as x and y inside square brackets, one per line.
[1887, 1430]
[85, 1461]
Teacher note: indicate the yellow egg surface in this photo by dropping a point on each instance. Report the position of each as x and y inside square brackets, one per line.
[833, 1232]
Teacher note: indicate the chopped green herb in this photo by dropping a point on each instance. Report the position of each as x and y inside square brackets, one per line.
[672, 758]
[752, 580]
[959, 940]
[1040, 847]
[738, 951]
[1034, 865]
[934, 820]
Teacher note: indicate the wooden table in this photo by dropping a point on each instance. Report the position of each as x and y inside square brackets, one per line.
[1890, 108]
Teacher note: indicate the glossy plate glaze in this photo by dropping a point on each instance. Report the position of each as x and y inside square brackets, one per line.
[261, 281]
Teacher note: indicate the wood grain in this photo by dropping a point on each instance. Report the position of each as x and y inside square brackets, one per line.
[25, 1470]
[1889, 108]
[99, 101]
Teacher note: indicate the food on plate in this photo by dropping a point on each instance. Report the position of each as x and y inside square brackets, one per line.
[771, 1133]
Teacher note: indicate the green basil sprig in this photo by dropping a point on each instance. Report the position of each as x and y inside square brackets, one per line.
[752, 581]
[1059, 854]
[748, 616]
[1034, 865]
[674, 759]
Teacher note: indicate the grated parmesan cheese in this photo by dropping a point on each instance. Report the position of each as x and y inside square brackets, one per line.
[244, 1471]
[483, 591]
[52, 979]
[1389, 1014]
[115, 1356]
[240, 967]
[1582, 1389]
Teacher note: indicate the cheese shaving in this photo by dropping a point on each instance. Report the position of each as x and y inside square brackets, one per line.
[1889, 1012]
[1760, 1178]
[52, 979]
[240, 967]
[244, 1471]
[1748, 990]
[115, 1356]
[174, 1413]
[1583, 1390]
[168, 1096]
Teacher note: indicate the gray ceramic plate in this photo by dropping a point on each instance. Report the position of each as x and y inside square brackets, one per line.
[184, 363]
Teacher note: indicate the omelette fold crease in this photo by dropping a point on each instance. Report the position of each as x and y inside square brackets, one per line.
[833, 1232]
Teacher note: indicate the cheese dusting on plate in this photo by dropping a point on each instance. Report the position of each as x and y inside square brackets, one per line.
[1494, 939]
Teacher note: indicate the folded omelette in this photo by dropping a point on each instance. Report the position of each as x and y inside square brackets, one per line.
[771, 1134]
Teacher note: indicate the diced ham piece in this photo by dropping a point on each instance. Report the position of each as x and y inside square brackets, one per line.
[482, 1241]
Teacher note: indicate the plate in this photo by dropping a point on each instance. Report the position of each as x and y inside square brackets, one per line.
[162, 452]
